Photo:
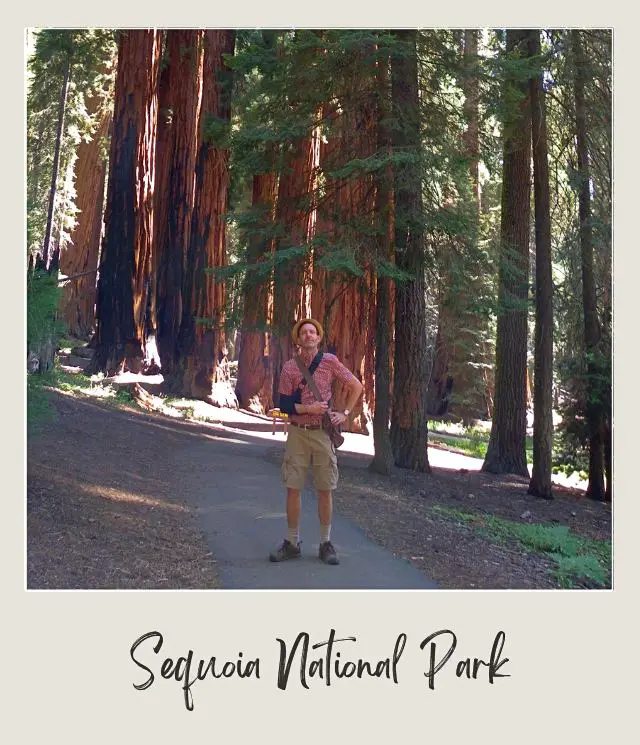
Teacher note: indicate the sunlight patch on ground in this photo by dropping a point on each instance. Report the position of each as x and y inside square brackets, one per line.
[232, 420]
[119, 495]
[129, 377]
[197, 409]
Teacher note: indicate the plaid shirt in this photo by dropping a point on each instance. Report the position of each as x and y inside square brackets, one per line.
[329, 369]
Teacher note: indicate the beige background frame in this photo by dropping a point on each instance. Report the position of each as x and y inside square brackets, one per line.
[67, 675]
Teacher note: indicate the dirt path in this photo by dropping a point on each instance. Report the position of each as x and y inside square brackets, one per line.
[123, 499]
[103, 510]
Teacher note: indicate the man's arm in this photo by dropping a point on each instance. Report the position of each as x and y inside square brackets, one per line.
[354, 390]
[288, 394]
[317, 407]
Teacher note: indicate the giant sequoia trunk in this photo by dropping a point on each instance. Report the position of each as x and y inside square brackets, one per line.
[254, 383]
[383, 454]
[540, 484]
[343, 301]
[80, 259]
[201, 342]
[164, 134]
[409, 415]
[294, 215]
[184, 49]
[254, 371]
[506, 452]
[595, 408]
[125, 262]
[295, 218]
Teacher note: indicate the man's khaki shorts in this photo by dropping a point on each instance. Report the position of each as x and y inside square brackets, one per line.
[309, 447]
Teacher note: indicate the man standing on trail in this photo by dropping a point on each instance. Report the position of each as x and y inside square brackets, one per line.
[308, 444]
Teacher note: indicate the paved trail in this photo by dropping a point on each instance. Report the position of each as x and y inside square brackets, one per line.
[239, 502]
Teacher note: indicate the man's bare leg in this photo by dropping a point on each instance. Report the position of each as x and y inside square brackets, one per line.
[325, 512]
[293, 515]
[290, 548]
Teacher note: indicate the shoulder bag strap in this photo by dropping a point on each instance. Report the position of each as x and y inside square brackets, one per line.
[307, 376]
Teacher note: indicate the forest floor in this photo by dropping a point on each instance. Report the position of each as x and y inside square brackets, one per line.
[111, 517]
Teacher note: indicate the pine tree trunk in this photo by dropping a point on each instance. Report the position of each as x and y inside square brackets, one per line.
[409, 414]
[46, 249]
[202, 342]
[81, 256]
[440, 381]
[608, 461]
[471, 90]
[506, 452]
[126, 253]
[540, 484]
[383, 454]
[469, 400]
[595, 419]
[185, 91]
[35, 168]
[457, 387]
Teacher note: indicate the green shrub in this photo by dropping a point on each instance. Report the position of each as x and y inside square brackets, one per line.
[584, 568]
[124, 396]
[39, 408]
[43, 297]
[579, 561]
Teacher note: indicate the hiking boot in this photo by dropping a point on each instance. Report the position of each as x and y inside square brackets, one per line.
[285, 551]
[327, 553]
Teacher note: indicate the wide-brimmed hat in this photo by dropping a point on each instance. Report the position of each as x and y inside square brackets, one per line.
[296, 329]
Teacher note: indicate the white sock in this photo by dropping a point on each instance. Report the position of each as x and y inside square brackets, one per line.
[325, 532]
[294, 536]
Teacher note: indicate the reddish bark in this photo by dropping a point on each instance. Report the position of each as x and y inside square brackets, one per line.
[125, 262]
[343, 302]
[202, 335]
[383, 321]
[77, 307]
[254, 370]
[294, 213]
[254, 387]
[161, 188]
[184, 49]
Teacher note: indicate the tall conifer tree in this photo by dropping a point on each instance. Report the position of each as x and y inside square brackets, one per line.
[125, 264]
[506, 452]
[540, 483]
[409, 414]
